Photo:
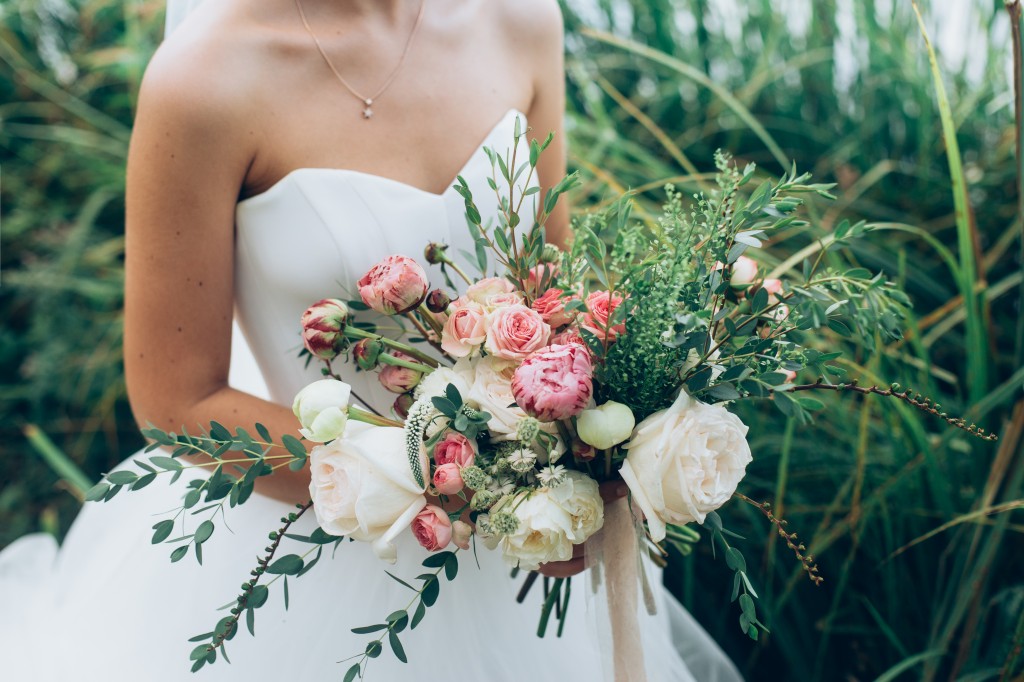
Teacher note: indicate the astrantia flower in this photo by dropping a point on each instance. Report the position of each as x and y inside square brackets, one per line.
[552, 475]
[522, 460]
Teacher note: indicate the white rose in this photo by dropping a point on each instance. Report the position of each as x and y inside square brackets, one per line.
[543, 533]
[436, 383]
[363, 488]
[580, 496]
[685, 461]
[322, 409]
[606, 425]
[492, 390]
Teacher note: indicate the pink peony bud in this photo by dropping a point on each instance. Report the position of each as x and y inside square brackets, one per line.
[365, 352]
[402, 405]
[398, 379]
[323, 328]
[393, 286]
[461, 533]
[432, 528]
[583, 451]
[600, 308]
[447, 479]
[551, 306]
[438, 301]
[455, 448]
[554, 383]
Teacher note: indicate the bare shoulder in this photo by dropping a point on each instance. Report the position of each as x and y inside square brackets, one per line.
[537, 23]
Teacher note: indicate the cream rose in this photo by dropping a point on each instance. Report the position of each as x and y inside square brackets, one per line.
[542, 533]
[491, 389]
[362, 487]
[685, 461]
[581, 498]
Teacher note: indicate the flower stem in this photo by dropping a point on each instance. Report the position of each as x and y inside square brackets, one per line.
[361, 415]
[357, 333]
[386, 359]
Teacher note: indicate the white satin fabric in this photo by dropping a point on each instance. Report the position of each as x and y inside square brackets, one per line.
[110, 606]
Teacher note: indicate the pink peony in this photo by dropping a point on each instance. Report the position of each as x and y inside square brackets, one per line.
[515, 331]
[455, 448]
[600, 307]
[465, 329]
[555, 383]
[551, 306]
[395, 285]
[398, 379]
[448, 479]
[432, 528]
[479, 292]
[323, 328]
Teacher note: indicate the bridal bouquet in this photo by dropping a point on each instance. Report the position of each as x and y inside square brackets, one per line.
[523, 388]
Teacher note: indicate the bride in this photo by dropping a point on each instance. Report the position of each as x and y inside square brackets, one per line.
[281, 147]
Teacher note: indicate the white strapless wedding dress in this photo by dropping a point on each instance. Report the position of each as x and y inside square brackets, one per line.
[110, 606]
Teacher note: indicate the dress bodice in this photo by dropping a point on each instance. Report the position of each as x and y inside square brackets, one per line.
[315, 232]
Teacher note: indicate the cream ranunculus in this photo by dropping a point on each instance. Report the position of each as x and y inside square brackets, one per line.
[685, 461]
[363, 488]
[580, 496]
[491, 389]
[606, 425]
[322, 409]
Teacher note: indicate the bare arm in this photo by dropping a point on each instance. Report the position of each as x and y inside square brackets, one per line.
[186, 163]
[547, 111]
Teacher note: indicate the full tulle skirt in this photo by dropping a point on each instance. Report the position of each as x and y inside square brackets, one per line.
[109, 605]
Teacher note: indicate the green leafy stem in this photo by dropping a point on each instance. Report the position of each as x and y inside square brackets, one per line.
[741, 588]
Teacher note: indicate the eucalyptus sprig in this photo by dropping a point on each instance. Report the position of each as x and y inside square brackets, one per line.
[741, 587]
[424, 597]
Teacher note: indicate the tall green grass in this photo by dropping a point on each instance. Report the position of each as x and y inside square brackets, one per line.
[917, 529]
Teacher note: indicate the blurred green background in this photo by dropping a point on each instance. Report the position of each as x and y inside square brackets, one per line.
[843, 89]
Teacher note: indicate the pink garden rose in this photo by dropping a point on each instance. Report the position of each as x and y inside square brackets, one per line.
[571, 335]
[399, 379]
[395, 285]
[600, 307]
[479, 292]
[323, 328]
[515, 331]
[503, 300]
[541, 276]
[455, 448]
[551, 306]
[465, 328]
[448, 479]
[555, 383]
[432, 528]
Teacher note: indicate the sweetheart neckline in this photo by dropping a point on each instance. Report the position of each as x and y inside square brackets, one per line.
[275, 187]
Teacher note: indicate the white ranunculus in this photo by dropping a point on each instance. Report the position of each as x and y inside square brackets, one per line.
[579, 495]
[436, 383]
[544, 530]
[363, 488]
[685, 461]
[322, 409]
[606, 425]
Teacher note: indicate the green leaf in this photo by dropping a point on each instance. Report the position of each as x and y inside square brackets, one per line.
[294, 446]
[367, 629]
[162, 531]
[286, 593]
[451, 567]
[204, 531]
[178, 553]
[352, 673]
[430, 591]
[250, 620]
[734, 559]
[218, 432]
[289, 564]
[199, 652]
[396, 646]
[400, 581]
[373, 649]
[264, 433]
[417, 616]
[437, 560]
[258, 597]
[747, 606]
[97, 492]
[122, 477]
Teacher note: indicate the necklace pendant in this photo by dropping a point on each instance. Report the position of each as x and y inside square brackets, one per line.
[368, 109]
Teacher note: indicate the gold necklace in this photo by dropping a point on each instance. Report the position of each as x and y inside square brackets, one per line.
[367, 101]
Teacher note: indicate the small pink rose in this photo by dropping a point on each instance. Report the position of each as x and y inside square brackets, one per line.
[395, 285]
[601, 307]
[515, 331]
[399, 379]
[432, 528]
[465, 329]
[455, 448]
[568, 336]
[447, 479]
[461, 533]
[551, 306]
[541, 276]
[480, 291]
[503, 300]
[323, 328]
[555, 383]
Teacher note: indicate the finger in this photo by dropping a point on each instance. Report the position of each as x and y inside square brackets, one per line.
[613, 490]
[562, 569]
